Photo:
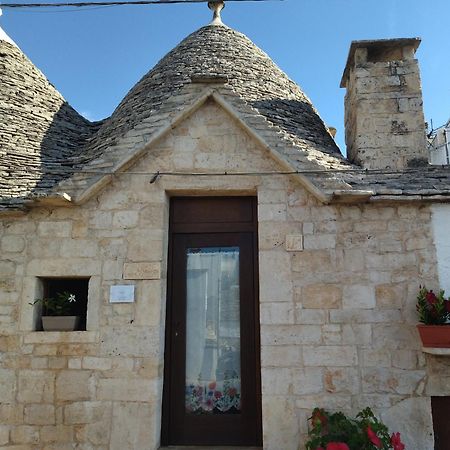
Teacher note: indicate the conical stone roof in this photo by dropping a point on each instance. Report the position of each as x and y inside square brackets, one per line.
[39, 130]
[216, 50]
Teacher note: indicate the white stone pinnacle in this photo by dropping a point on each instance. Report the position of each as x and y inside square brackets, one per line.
[217, 7]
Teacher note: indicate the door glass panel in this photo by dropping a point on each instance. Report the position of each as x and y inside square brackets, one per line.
[213, 361]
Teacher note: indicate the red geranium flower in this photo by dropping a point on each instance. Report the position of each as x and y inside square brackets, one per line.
[396, 442]
[318, 417]
[431, 298]
[374, 438]
[337, 446]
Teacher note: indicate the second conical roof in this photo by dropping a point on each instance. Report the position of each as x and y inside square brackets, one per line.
[39, 130]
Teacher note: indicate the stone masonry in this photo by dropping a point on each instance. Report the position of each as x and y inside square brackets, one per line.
[337, 321]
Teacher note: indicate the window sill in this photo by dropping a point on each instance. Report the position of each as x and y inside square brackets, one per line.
[65, 337]
[439, 351]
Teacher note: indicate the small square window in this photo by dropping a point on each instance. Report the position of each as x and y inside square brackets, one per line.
[78, 287]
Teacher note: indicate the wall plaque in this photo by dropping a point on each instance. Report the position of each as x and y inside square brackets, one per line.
[121, 293]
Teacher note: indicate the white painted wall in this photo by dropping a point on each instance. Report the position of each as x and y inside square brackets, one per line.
[441, 233]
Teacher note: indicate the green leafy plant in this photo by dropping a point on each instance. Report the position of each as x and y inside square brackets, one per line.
[336, 431]
[61, 305]
[432, 309]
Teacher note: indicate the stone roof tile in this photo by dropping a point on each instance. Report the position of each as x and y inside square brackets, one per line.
[425, 182]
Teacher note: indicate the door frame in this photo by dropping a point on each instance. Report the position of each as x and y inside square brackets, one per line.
[205, 221]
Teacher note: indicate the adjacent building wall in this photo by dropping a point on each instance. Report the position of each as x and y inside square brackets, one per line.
[440, 220]
[337, 318]
[439, 148]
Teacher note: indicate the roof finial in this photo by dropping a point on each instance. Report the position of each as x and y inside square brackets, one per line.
[216, 6]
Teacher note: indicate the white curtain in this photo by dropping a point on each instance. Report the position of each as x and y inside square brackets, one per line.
[212, 330]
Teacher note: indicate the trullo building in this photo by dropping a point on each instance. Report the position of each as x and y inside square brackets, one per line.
[231, 270]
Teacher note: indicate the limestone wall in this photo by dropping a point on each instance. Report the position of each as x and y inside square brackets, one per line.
[337, 303]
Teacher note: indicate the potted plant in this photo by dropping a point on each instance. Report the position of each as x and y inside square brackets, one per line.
[434, 315]
[56, 312]
[336, 431]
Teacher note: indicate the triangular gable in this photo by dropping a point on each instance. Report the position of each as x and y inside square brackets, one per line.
[97, 174]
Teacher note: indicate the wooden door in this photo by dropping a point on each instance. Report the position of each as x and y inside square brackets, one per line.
[212, 369]
[440, 407]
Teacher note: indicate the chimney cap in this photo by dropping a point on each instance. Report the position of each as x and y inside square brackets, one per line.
[376, 44]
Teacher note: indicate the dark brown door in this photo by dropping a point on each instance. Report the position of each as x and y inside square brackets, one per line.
[212, 376]
[440, 407]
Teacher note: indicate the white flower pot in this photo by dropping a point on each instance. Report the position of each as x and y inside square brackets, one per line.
[60, 323]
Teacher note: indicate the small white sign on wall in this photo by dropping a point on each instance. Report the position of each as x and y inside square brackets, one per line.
[121, 293]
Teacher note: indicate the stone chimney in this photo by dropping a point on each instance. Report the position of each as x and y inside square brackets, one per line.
[384, 121]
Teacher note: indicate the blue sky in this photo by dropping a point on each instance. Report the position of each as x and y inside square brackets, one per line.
[94, 56]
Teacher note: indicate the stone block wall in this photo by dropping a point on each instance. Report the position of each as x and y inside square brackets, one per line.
[337, 303]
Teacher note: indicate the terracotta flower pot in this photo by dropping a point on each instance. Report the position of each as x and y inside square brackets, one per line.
[60, 323]
[435, 335]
